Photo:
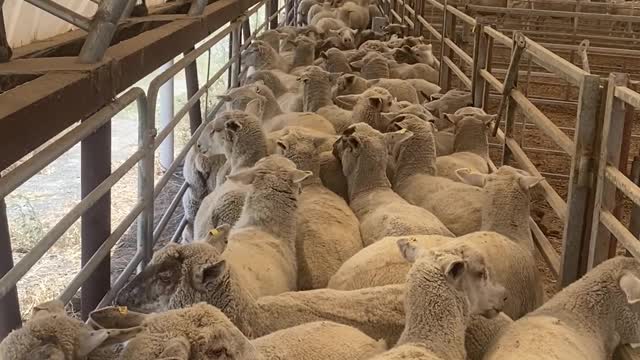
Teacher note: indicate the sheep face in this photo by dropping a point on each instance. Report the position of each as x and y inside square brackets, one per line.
[236, 125]
[274, 172]
[461, 268]
[176, 277]
[210, 141]
[301, 147]
[347, 37]
[449, 102]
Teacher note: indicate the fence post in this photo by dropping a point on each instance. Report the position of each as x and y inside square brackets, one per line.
[272, 8]
[510, 82]
[146, 173]
[235, 52]
[488, 65]
[166, 116]
[610, 151]
[95, 167]
[634, 222]
[9, 305]
[448, 29]
[581, 183]
[417, 24]
[479, 57]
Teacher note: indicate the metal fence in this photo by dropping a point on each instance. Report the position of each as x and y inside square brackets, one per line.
[94, 133]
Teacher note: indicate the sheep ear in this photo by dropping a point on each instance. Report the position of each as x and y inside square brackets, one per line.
[243, 177]
[219, 237]
[471, 178]
[282, 143]
[397, 137]
[232, 126]
[453, 118]
[376, 101]
[204, 276]
[409, 249]
[91, 340]
[630, 285]
[372, 82]
[486, 119]
[357, 64]
[527, 182]
[298, 176]
[454, 270]
[255, 107]
[349, 78]
[347, 101]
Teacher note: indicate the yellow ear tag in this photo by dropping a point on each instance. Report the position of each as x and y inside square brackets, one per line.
[402, 131]
[214, 232]
[123, 310]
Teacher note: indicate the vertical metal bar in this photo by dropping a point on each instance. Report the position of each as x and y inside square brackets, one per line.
[419, 11]
[95, 167]
[146, 172]
[128, 10]
[288, 19]
[488, 65]
[579, 200]
[246, 31]
[479, 63]
[5, 49]
[191, 79]
[610, 151]
[9, 305]
[511, 82]
[197, 7]
[634, 222]
[235, 51]
[448, 32]
[103, 27]
[272, 7]
[166, 116]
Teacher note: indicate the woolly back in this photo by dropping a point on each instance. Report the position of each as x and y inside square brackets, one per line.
[304, 51]
[270, 80]
[370, 105]
[261, 55]
[271, 37]
[301, 147]
[375, 67]
[316, 91]
[351, 84]
[471, 136]
[416, 155]
[337, 61]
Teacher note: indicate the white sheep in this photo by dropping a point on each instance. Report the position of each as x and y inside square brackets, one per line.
[354, 15]
[203, 332]
[289, 99]
[470, 145]
[326, 24]
[586, 320]
[449, 103]
[346, 36]
[362, 152]
[369, 106]
[316, 97]
[244, 143]
[52, 334]
[505, 240]
[335, 61]
[327, 230]
[445, 286]
[417, 180]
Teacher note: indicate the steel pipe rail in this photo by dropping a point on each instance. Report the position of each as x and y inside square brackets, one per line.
[62, 13]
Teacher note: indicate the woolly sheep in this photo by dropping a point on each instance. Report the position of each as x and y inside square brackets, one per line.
[586, 320]
[401, 90]
[362, 152]
[424, 88]
[449, 103]
[336, 61]
[504, 231]
[327, 230]
[263, 57]
[204, 332]
[290, 100]
[319, 12]
[346, 36]
[326, 24]
[303, 53]
[444, 288]
[457, 205]
[316, 97]
[244, 144]
[52, 334]
[372, 66]
[273, 118]
[354, 15]
[470, 146]
[304, 6]
[272, 37]
[369, 107]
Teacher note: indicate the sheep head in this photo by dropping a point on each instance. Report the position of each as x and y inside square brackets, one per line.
[460, 268]
[301, 146]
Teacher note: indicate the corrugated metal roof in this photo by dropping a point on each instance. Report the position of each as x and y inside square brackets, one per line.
[26, 24]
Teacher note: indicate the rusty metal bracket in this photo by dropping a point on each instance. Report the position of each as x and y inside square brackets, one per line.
[519, 44]
[582, 51]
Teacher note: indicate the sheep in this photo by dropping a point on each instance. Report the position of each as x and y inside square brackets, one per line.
[369, 107]
[336, 61]
[449, 103]
[272, 37]
[505, 239]
[263, 57]
[52, 334]
[417, 182]
[424, 88]
[273, 118]
[319, 12]
[444, 288]
[375, 45]
[304, 6]
[413, 71]
[324, 140]
[400, 89]
[244, 144]
[362, 151]
[203, 332]
[288, 99]
[372, 66]
[327, 230]
[316, 97]
[200, 173]
[470, 146]
[303, 53]
[586, 320]
[354, 15]
[378, 311]
[346, 37]
[326, 24]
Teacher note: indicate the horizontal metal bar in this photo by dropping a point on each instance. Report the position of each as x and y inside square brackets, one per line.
[623, 183]
[463, 55]
[169, 212]
[24, 265]
[178, 233]
[459, 73]
[553, 13]
[462, 16]
[63, 13]
[546, 249]
[100, 254]
[39, 161]
[629, 96]
[123, 278]
[624, 236]
[430, 28]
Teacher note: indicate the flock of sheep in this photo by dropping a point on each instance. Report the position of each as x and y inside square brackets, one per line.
[342, 208]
